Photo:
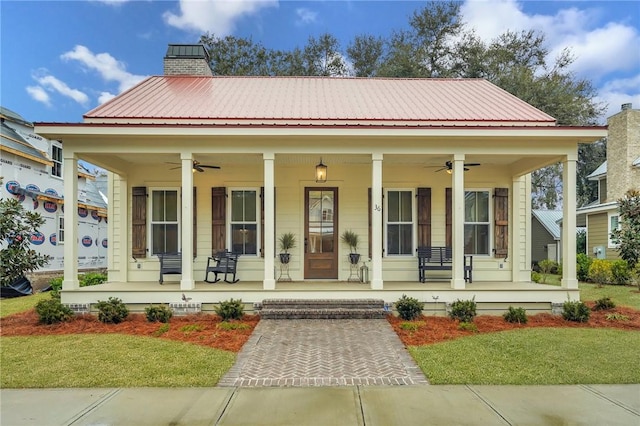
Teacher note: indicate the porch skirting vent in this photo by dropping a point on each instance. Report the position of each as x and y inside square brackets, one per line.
[181, 308]
[322, 309]
[79, 308]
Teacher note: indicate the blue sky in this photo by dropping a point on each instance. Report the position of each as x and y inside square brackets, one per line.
[60, 59]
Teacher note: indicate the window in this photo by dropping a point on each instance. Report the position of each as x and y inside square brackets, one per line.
[165, 220]
[614, 223]
[56, 156]
[244, 221]
[476, 222]
[60, 230]
[399, 222]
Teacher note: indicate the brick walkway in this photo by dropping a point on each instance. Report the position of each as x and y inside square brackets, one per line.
[323, 353]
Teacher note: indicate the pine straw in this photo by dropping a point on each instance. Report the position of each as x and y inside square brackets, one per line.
[439, 329]
[202, 329]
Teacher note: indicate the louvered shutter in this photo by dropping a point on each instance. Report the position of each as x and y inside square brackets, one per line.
[218, 219]
[448, 218]
[139, 221]
[501, 224]
[424, 217]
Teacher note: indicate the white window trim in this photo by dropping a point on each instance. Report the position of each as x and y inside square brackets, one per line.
[58, 145]
[491, 220]
[150, 215]
[610, 243]
[258, 218]
[59, 228]
[414, 222]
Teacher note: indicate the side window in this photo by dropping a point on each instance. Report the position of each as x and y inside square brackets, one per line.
[477, 226]
[614, 223]
[244, 221]
[165, 221]
[399, 222]
[60, 229]
[56, 157]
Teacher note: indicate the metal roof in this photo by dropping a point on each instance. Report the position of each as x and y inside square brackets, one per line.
[601, 171]
[550, 220]
[354, 101]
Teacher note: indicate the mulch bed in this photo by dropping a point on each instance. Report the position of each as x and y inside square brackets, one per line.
[208, 332]
[429, 330]
[439, 329]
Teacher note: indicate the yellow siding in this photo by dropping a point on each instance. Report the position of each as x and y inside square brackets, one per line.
[597, 235]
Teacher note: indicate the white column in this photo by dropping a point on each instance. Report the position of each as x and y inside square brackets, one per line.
[457, 222]
[119, 254]
[70, 176]
[376, 222]
[186, 221]
[269, 282]
[516, 238]
[569, 278]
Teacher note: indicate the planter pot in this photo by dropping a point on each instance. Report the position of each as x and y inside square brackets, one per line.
[285, 257]
[354, 258]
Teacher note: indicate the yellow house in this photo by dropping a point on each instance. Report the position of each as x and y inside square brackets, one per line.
[407, 163]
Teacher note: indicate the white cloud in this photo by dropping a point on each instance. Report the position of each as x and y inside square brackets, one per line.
[305, 16]
[105, 97]
[106, 65]
[217, 17]
[620, 91]
[52, 84]
[39, 94]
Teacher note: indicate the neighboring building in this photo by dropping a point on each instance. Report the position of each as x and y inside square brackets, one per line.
[615, 177]
[545, 235]
[403, 162]
[31, 167]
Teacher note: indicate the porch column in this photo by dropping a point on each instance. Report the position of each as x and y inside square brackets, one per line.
[186, 221]
[70, 176]
[457, 279]
[519, 243]
[269, 282]
[569, 278]
[376, 222]
[119, 254]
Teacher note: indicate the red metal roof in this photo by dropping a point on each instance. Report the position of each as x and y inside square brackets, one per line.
[241, 99]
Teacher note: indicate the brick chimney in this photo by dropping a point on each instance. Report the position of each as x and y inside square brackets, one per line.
[623, 149]
[187, 59]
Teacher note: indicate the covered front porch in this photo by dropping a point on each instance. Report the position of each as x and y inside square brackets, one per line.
[491, 297]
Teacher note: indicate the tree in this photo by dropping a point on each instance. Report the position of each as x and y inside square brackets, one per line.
[628, 233]
[322, 57]
[16, 227]
[365, 53]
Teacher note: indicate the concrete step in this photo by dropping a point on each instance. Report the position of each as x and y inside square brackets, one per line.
[322, 309]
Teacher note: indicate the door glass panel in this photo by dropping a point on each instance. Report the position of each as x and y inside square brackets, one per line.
[321, 237]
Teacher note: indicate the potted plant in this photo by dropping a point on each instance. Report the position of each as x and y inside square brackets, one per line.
[286, 241]
[352, 239]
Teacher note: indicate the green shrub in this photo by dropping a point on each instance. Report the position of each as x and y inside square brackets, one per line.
[112, 311]
[463, 310]
[408, 308]
[191, 328]
[600, 271]
[575, 311]
[515, 315]
[56, 287]
[616, 316]
[161, 330]
[92, 278]
[583, 262]
[536, 277]
[604, 304]
[230, 309]
[559, 268]
[620, 273]
[52, 311]
[233, 326]
[160, 313]
[468, 326]
[547, 267]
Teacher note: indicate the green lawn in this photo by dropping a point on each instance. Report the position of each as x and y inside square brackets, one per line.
[622, 295]
[535, 356]
[20, 304]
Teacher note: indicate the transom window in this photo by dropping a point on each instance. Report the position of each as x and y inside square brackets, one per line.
[476, 222]
[244, 221]
[56, 157]
[399, 232]
[165, 220]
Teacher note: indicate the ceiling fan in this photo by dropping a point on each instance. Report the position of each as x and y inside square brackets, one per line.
[197, 166]
[448, 166]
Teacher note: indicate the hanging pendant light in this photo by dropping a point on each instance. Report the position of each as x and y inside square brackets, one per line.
[321, 172]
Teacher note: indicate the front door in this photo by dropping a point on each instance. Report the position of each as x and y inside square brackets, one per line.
[320, 233]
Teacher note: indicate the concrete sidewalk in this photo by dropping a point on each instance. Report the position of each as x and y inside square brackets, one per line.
[326, 406]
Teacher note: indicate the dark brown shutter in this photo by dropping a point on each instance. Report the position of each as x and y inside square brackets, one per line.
[262, 220]
[195, 223]
[139, 221]
[501, 213]
[447, 224]
[424, 217]
[218, 219]
[370, 224]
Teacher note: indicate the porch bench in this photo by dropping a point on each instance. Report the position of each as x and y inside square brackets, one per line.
[435, 258]
[223, 262]
[170, 263]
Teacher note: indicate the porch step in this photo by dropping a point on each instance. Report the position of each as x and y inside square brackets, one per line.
[322, 309]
